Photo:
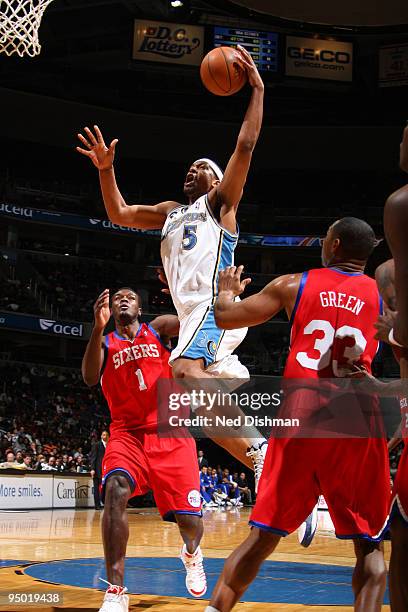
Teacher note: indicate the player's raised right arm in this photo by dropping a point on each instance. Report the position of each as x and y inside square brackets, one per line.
[102, 156]
[94, 354]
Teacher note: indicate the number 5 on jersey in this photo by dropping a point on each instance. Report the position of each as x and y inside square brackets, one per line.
[189, 237]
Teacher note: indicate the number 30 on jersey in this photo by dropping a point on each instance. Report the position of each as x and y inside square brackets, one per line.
[324, 346]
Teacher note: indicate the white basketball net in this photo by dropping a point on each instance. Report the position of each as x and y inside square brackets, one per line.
[19, 24]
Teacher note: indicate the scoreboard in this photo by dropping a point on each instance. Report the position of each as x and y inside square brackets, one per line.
[263, 46]
[393, 65]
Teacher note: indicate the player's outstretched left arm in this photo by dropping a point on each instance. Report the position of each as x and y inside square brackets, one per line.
[228, 193]
[278, 295]
[167, 326]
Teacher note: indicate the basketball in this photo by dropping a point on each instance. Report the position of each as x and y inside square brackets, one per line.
[222, 72]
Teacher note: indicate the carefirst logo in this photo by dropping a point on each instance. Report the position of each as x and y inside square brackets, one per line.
[78, 491]
[60, 328]
[168, 42]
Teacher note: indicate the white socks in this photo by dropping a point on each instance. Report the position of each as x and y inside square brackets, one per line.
[211, 609]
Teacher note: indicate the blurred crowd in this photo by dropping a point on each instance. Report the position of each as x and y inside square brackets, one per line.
[15, 296]
[48, 419]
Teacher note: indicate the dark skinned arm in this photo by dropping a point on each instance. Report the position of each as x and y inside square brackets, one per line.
[385, 277]
[278, 295]
[167, 326]
[227, 195]
[94, 354]
[139, 215]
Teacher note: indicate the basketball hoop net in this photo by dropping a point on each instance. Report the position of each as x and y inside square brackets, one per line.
[20, 21]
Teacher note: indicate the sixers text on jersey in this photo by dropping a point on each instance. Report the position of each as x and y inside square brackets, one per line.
[130, 376]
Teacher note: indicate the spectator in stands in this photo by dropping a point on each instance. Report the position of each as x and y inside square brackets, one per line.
[95, 461]
[19, 445]
[50, 448]
[64, 463]
[19, 457]
[78, 453]
[202, 461]
[72, 466]
[10, 461]
[219, 473]
[27, 462]
[233, 491]
[39, 462]
[205, 485]
[214, 478]
[50, 465]
[81, 468]
[227, 475]
[245, 491]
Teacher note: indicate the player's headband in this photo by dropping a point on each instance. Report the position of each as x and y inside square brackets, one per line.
[214, 167]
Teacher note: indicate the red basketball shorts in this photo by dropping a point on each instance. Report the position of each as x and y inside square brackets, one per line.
[167, 466]
[400, 489]
[352, 474]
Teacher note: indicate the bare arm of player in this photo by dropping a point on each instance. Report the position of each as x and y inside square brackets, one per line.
[228, 193]
[384, 275]
[395, 222]
[278, 295]
[139, 215]
[166, 326]
[404, 151]
[94, 354]
[395, 440]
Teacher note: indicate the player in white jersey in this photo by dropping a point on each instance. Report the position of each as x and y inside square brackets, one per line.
[197, 241]
[194, 248]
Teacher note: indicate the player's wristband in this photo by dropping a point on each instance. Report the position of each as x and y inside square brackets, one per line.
[392, 340]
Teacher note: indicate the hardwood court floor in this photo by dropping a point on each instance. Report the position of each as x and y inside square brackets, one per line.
[41, 536]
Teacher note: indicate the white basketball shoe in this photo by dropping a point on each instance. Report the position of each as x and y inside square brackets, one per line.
[257, 455]
[115, 599]
[196, 582]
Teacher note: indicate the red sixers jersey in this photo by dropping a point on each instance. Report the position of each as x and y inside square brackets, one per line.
[333, 324]
[129, 380]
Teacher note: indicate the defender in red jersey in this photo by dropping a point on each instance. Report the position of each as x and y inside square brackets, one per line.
[333, 312]
[129, 362]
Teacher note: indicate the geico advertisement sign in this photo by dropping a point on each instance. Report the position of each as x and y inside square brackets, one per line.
[19, 492]
[69, 492]
[319, 59]
[176, 43]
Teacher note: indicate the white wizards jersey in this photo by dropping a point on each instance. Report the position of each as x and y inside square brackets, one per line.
[194, 248]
